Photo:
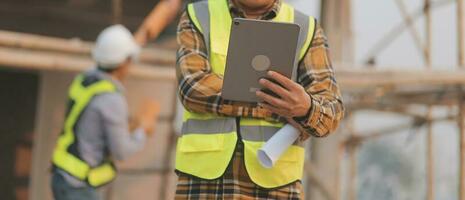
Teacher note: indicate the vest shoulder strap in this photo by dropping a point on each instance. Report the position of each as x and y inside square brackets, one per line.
[199, 14]
[307, 31]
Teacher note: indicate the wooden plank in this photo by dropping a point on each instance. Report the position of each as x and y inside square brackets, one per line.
[75, 46]
[461, 122]
[349, 76]
[461, 32]
[51, 109]
[54, 61]
[461, 126]
[117, 11]
[369, 78]
[336, 18]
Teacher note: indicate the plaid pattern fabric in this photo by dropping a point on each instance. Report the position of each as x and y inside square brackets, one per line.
[200, 89]
[235, 184]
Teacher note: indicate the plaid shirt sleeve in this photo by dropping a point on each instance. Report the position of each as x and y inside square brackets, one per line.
[316, 75]
[200, 88]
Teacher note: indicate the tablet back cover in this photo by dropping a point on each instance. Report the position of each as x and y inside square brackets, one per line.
[255, 47]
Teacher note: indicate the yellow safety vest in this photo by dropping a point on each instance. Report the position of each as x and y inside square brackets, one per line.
[65, 156]
[207, 144]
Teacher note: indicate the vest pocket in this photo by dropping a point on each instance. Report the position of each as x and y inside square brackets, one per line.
[193, 143]
[293, 154]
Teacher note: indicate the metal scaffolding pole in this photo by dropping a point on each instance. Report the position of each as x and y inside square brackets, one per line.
[430, 158]
[461, 122]
[461, 32]
[461, 126]
[353, 187]
[117, 10]
[429, 137]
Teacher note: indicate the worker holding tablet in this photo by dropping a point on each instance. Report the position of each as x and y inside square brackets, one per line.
[216, 154]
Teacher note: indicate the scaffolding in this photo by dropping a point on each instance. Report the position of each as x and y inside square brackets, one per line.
[397, 97]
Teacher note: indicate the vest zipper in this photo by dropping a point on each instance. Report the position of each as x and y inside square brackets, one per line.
[238, 128]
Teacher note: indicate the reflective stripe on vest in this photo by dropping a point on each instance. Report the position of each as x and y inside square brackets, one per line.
[68, 161]
[208, 141]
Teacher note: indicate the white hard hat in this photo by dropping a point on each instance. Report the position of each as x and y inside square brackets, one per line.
[114, 45]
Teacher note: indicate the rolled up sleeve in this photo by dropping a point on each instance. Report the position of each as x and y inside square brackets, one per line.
[317, 76]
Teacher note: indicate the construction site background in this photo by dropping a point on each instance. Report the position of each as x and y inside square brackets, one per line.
[399, 63]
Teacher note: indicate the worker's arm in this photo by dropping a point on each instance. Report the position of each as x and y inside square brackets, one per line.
[161, 15]
[200, 88]
[113, 111]
[315, 102]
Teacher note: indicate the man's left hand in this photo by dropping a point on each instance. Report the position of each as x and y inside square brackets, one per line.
[294, 101]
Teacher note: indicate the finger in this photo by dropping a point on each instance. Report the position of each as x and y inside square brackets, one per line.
[283, 80]
[283, 93]
[272, 100]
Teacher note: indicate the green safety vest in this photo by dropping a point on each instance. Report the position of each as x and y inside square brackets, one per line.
[208, 141]
[64, 157]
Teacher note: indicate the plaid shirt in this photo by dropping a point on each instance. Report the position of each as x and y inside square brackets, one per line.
[200, 88]
[234, 184]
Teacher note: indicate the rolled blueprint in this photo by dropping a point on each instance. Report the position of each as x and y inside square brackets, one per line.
[277, 145]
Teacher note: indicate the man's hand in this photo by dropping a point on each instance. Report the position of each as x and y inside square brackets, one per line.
[294, 101]
[147, 116]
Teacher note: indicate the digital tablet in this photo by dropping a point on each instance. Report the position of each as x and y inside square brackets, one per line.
[255, 47]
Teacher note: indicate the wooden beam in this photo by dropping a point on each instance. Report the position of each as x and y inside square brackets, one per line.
[412, 29]
[336, 18]
[167, 157]
[316, 181]
[430, 169]
[349, 76]
[461, 122]
[368, 78]
[461, 126]
[353, 173]
[117, 11]
[389, 37]
[75, 46]
[461, 32]
[32, 60]
[69, 13]
[375, 134]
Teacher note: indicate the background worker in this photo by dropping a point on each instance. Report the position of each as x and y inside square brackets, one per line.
[216, 155]
[96, 128]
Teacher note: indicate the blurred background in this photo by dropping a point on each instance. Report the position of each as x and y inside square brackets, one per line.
[399, 63]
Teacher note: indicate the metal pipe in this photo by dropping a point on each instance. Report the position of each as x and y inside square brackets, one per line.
[397, 30]
[353, 187]
[461, 32]
[413, 31]
[117, 10]
[461, 126]
[429, 136]
[461, 122]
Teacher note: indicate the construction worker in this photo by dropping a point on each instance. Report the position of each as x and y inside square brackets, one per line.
[96, 128]
[216, 155]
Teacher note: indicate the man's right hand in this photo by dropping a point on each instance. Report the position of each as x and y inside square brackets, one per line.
[147, 116]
